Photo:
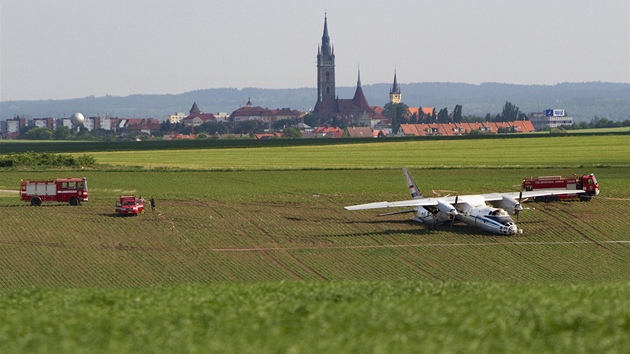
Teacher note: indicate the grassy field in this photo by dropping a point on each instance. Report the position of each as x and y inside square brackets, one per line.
[260, 256]
[569, 151]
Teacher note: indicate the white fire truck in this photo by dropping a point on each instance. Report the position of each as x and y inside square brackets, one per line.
[63, 190]
[588, 183]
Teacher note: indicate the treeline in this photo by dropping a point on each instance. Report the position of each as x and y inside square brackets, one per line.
[596, 123]
[31, 158]
[289, 128]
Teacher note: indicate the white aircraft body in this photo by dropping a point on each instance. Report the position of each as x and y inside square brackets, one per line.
[470, 209]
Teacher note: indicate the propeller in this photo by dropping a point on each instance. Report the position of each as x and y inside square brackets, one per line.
[454, 211]
[518, 207]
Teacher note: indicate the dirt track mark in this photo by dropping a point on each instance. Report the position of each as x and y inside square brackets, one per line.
[422, 270]
[566, 218]
[265, 251]
[421, 245]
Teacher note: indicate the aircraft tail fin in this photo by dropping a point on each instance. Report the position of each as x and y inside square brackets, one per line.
[413, 188]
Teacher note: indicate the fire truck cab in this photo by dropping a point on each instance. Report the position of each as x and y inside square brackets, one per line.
[63, 190]
[587, 183]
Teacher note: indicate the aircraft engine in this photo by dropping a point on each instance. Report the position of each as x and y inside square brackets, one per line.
[510, 204]
[446, 211]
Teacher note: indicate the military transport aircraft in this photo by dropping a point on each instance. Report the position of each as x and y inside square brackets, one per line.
[470, 209]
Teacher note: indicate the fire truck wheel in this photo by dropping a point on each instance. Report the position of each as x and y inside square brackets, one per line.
[37, 201]
[74, 201]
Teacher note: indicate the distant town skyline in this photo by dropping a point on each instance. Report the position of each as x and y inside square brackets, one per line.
[67, 49]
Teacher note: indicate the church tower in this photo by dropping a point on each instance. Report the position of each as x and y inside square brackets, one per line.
[326, 97]
[394, 94]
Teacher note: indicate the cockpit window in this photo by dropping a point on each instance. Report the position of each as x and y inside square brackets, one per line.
[499, 212]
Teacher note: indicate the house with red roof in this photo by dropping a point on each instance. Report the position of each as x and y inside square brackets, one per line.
[249, 112]
[456, 129]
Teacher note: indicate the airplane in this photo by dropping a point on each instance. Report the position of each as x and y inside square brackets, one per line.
[470, 209]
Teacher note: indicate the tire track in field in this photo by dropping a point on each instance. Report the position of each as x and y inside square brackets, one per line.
[340, 214]
[420, 245]
[565, 218]
[306, 248]
[574, 216]
[265, 251]
[422, 270]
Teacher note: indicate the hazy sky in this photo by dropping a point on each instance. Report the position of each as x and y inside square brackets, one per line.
[54, 49]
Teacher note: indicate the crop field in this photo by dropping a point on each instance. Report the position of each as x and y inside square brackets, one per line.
[275, 216]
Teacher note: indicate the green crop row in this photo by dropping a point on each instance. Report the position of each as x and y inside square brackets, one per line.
[317, 317]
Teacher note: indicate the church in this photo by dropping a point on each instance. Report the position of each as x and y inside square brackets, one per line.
[328, 105]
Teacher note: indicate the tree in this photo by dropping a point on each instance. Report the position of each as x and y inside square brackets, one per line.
[443, 116]
[510, 113]
[396, 112]
[62, 133]
[457, 114]
[212, 128]
[38, 134]
[292, 132]
[250, 127]
[311, 120]
[283, 123]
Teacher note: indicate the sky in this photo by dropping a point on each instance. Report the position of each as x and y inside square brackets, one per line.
[61, 49]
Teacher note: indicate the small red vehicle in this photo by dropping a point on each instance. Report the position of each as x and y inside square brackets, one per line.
[587, 183]
[63, 190]
[129, 205]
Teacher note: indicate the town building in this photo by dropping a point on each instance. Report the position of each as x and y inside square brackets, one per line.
[328, 105]
[457, 129]
[550, 118]
[249, 112]
[196, 117]
[174, 118]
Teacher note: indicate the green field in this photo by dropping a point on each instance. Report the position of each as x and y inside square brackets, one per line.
[250, 250]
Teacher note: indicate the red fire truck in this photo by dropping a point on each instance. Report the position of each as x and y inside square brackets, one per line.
[63, 190]
[588, 183]
[129, 205]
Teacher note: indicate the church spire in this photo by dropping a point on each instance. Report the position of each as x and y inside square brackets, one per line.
[326, 47]
[194, 109]
[359, 77]
[326, 96]
[394, 94]
[395, 88]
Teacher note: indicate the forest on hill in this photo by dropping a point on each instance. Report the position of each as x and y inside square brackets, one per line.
[582, 101]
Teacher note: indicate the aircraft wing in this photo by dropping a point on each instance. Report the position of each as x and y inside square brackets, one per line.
[529, 194]
[403, 203]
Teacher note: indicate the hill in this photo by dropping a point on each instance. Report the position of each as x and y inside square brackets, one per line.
[583, 101]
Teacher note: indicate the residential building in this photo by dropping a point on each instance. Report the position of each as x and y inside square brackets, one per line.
[174, 118]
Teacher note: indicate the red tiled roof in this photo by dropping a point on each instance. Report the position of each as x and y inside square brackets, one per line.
[359, 132]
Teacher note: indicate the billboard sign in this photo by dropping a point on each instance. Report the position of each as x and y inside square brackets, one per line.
[554, 113]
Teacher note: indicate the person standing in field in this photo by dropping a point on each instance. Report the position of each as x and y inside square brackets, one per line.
[152, 203]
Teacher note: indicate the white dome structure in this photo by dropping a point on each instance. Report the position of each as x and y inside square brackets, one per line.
[77, 119]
